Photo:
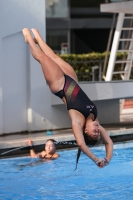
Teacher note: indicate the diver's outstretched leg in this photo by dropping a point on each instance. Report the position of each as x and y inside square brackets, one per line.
[52, 72]
[67, 69]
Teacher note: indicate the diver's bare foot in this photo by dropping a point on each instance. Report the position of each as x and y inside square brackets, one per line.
[26, 34]
[36, 35]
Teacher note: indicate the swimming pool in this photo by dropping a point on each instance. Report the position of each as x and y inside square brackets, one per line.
[24, 178]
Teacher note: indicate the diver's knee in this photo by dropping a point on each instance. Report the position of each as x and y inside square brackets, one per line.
[42, 57]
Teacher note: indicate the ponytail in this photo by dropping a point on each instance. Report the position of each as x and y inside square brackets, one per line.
[89, 142]
[78, 155]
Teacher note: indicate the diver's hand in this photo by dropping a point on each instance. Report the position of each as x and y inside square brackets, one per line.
[100, 162]
[106, 161]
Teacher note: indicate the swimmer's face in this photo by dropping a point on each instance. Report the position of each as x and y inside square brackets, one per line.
[92, 130]
[50, 147]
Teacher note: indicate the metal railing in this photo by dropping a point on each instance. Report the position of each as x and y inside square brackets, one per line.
[88, 70]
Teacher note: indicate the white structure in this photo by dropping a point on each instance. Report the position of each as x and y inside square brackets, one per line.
[122, 8]
[25, 100]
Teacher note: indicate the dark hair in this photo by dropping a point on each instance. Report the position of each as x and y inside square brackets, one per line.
[89, 142]
[52, 140]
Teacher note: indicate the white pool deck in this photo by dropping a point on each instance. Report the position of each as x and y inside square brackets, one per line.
[17, 140]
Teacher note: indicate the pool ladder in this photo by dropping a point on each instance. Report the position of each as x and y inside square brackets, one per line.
[123, 43]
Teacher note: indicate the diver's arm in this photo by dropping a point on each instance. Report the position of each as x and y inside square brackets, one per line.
[78, 133]
[108, 143]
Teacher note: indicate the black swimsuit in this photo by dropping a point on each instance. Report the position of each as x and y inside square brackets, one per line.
[76, 98]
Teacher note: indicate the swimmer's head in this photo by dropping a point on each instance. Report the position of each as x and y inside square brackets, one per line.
[50, 146]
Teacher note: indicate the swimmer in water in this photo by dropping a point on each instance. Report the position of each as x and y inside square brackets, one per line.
[62, 81]
[49, 151]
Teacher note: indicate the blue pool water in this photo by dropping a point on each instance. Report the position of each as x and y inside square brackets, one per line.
[24, 178]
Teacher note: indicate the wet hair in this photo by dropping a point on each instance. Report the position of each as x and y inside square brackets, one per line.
[52, 140]
[89, 142]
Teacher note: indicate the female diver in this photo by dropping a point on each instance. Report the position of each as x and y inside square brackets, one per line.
[63, 82]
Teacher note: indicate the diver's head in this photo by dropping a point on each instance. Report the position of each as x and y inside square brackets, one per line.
[91, 130]
[50, 146]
